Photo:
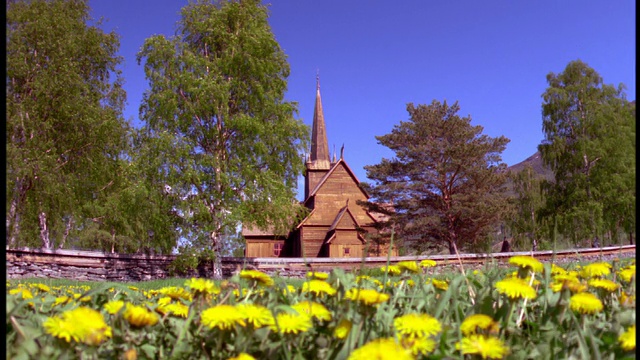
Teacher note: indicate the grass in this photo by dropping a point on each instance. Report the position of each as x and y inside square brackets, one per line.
[398, 310]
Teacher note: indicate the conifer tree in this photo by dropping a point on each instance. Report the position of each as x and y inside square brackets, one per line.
[444, 185]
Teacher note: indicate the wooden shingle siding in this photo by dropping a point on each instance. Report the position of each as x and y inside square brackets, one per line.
[258, 248]
[338, 250]
[313, 239]
[346, 223]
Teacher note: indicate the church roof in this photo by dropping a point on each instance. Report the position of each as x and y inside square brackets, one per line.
[319, 157]
[250, 231]
[328, 174]
[305, 219]
[341, 213]
[336, 221]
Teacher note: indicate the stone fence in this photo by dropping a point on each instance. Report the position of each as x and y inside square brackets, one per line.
[101, 266]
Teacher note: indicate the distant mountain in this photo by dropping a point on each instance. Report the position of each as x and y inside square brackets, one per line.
[535, 161]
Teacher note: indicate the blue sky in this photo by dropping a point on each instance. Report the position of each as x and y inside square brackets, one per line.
[374, 57]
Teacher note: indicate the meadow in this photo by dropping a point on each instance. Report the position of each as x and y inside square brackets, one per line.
[528, 310]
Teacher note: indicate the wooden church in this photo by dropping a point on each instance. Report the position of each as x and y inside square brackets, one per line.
[336, 226]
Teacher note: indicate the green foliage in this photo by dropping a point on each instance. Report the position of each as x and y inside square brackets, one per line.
[185, 262]
[525, 204]
[189, 259]
[64, 116]
[589, 143]
[444, 183]
[542, 327]
[74, 178]
[227, 143]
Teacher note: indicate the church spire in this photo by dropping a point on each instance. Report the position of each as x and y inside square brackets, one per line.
[319, 158]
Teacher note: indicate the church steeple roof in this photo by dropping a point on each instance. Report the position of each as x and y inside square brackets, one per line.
[319, 158]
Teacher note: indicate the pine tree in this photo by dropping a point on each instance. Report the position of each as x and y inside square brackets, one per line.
[444, 185]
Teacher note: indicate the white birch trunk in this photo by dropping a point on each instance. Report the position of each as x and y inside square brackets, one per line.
[66, 232]
[13, 223]
[217, 264]
[44, 231]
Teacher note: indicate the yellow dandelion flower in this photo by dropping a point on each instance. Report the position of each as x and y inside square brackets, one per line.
[131, 354]
[165, 300]
[381, 349]
[526, 262]
[565, 277]
[628, 339]
[605, 284]
[22, 293]
[318, 287]
[419, 346]
[240, 293]
[440, 284]
[287, 323]
[257, 276]
[391, 270]
[366, 296]
[515, 288]
[574, 273]
[60, 328]
[139, 316]
[177, 309]
[410, 266]
[557, 270]
[317, 275]
[313, 309]
[342, 329]
[112, 307]
[202, 286]
[427, 263]
[176, 293]
[414, 326]
[81, 298]
[223, 317]
[256, 315]
[42, 287]
[81, 324]
[598, 269]
[627, 274]
[290, 289]
[476, 322]
[585, 303]
[485, 347]
[61, 300]
[568, 281]
[242, 356]
[627, 300]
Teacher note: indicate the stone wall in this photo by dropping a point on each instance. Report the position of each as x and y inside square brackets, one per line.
[100, 266]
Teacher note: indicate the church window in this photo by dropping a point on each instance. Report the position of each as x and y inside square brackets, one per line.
[277, 248]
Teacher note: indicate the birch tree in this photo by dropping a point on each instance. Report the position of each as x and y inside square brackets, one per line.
[215, 111]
